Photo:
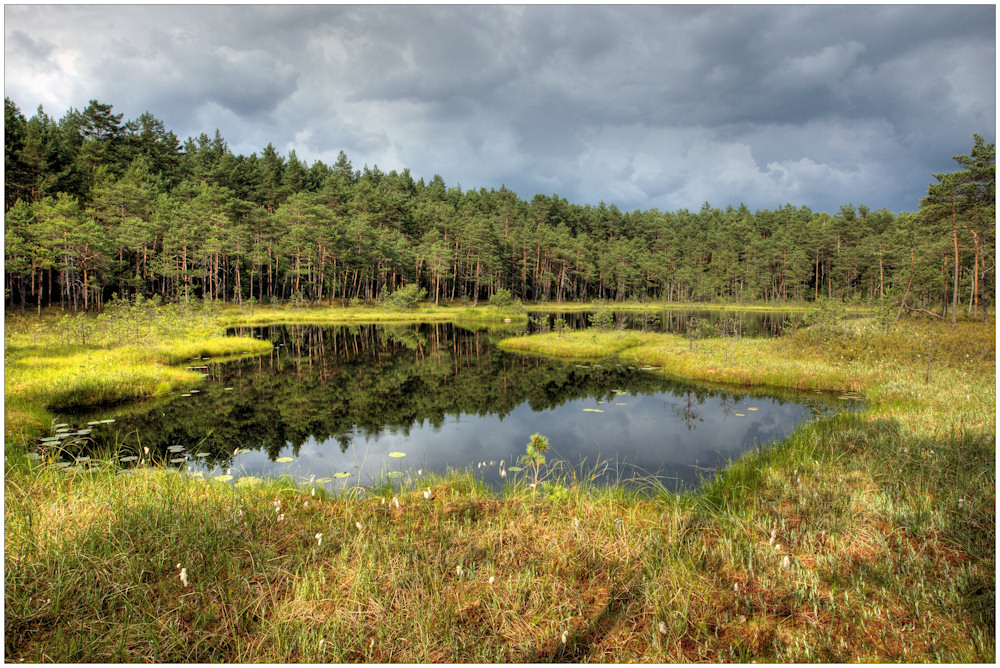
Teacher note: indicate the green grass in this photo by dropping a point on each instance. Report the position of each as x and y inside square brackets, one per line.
[886, 518]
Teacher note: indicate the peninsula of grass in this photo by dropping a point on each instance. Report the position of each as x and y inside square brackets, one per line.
[58, 362]
[861, 538]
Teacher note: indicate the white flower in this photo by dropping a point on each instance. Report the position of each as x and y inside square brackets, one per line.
[305, 505]
[428, 494]
[736, 587]
[786, 563]
[960, 502]
[319, 539]
[313, 492]
[662, 627]
[420, 471]
[458, 570]
[576, 523]
[281, 517]
[774, 532]
[492, 579]
[565, 637]
[395, 500]
[184, 576]
[358, 525]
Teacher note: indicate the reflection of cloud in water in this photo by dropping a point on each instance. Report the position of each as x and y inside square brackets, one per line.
[649, 432]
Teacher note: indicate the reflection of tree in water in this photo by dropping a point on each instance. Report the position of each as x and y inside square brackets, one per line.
[335, 383]
[687, 412]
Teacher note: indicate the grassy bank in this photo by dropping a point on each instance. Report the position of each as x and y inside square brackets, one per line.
[861, 538]
[336, 315]
[58, 362]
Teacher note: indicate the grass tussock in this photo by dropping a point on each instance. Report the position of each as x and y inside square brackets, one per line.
[863, 537]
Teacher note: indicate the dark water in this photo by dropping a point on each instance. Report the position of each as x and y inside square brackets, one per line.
[340, 399]
[676, 321]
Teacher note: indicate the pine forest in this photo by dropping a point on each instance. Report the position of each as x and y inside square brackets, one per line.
[96, 207]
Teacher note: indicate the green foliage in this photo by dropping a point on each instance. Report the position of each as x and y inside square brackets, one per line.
[824, 320]
[406, 297]
[502, 300]
[602, 320]
[559, 325]
[534, 457]
[95, 204]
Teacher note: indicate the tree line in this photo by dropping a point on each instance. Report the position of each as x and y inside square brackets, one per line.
[96, 207]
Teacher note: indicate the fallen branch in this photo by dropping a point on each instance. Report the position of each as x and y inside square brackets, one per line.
[923, 310]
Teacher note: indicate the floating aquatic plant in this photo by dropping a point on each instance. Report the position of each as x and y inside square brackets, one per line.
[397, 455]
[223, 478]
[284, 460]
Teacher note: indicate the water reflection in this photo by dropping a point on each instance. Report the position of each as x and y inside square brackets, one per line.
[341, 398]
[674, 321]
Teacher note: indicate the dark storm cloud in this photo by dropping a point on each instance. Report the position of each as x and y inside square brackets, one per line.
[644, 106]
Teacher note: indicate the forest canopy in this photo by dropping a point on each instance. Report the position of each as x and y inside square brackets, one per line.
[96, 207]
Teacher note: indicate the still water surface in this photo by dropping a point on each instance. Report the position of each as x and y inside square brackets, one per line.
[340, 399]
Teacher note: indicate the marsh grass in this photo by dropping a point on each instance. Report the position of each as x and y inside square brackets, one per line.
[863, 537]
[44, 370]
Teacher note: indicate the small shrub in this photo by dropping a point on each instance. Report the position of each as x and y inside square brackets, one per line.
[406, 297]
[603, 320]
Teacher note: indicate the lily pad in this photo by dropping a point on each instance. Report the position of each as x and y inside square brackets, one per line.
[592, 410]
[392, 474]
[227, 389]
[61, 424]
[106, 421]
[178, 460]
[202, 454]
[195, 391]
[323, 481]
[342, 474]
[223, 478]
[284, 460]
[82, 460]
[397, 454]
[130, 458]
[752, 409]
[175, 448]
[240, 451]
[248, 480]
[514, 468]
[739, 414]
[94, 423]
[185, 395]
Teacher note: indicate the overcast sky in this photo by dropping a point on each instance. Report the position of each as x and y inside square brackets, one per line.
[641, 106]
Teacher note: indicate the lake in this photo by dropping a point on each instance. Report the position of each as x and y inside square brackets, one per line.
[338, 400]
